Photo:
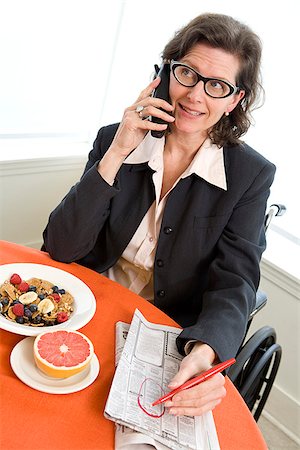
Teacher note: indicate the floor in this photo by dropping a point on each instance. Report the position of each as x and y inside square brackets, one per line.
[275, 438]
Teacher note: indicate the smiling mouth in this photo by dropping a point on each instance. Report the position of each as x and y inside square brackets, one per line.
[190, 111]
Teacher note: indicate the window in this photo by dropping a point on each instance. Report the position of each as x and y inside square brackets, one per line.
[69, 67]
[56, 65]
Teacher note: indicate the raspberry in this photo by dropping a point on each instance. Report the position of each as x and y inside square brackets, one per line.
[56, 297]
[18, 309]
[23, 286]
[62, 316]
[15, 279]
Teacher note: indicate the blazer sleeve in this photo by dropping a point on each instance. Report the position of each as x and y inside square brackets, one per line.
[234, 273]
[75, 223]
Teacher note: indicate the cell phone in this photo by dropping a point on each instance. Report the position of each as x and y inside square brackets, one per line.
[162, 91]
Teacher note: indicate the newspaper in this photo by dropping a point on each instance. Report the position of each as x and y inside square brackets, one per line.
[145, 350]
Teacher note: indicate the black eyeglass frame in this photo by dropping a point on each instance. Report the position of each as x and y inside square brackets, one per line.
[232, 89]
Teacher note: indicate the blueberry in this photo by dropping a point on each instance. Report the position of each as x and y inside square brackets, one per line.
[32, 288]
[20, 319]
[37, 319]
[61, 291]
[33, 308]
[54, 289]
[41, 296]
[4, 301]
[15, 302]
[27, 312]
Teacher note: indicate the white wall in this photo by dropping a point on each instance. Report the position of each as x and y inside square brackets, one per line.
[71, 66]
[282, 312]
[30, 189]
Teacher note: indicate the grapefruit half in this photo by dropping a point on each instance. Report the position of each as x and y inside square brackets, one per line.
[61, 353]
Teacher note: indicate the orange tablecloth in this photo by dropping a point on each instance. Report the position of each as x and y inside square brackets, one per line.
[37, 421]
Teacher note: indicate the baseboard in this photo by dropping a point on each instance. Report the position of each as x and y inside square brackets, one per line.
[280, 278]
[33, 244]
[41, 165]
[284, 412]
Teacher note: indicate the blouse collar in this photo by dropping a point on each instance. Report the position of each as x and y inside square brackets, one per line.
[208, 162]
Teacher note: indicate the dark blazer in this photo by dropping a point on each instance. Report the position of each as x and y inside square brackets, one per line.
[206, 269]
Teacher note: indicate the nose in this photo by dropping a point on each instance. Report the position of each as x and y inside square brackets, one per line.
[197, 92]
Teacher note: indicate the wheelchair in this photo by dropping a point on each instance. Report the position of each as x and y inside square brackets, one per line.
[258, 359]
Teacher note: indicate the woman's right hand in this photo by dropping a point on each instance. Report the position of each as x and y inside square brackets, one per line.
[134, 125]
[133, 129]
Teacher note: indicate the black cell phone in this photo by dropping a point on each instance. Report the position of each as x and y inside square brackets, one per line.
[162, 91]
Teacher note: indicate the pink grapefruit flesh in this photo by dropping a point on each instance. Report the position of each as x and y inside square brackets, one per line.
[62, 353]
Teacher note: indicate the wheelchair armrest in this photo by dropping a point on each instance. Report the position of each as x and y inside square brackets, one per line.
[277, 209]
[261, 300]
[281, 209]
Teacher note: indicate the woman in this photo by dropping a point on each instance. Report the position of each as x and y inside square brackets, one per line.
[179, 220]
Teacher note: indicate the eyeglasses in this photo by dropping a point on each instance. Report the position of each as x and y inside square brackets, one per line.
[189, 77]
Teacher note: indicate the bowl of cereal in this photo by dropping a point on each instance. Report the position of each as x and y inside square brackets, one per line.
[35, 298]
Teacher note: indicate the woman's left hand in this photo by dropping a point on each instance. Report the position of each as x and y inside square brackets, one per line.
[203, 397]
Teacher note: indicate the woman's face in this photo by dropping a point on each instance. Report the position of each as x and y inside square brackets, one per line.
[194, 110]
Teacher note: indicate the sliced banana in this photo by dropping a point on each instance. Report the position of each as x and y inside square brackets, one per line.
[45, 306]
[28, 297]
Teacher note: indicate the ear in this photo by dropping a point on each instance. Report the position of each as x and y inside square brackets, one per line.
[235, 100]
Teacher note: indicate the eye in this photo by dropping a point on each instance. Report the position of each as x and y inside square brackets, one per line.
[185, 75]
[217, 88]
[186, 72]
[217, 85]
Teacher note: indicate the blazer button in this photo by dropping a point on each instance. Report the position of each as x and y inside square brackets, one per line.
[161, 293]
[168, 230]
[160, 263]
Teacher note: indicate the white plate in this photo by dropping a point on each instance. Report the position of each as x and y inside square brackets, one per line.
[22, 363]
[84, 300]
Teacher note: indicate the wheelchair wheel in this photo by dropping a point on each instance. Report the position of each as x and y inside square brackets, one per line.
[255, 369]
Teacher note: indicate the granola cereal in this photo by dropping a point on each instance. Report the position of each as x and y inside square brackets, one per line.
[34, 302]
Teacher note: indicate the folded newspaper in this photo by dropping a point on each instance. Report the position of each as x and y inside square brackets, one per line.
[147, 351]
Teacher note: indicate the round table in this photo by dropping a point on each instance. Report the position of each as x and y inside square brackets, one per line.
[33, 420]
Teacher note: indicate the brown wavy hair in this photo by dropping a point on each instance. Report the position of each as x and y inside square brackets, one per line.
[226, 33]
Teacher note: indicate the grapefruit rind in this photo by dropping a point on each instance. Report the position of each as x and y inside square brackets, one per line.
[61, 371]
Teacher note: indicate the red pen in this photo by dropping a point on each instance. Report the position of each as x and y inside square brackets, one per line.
[195, 381]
